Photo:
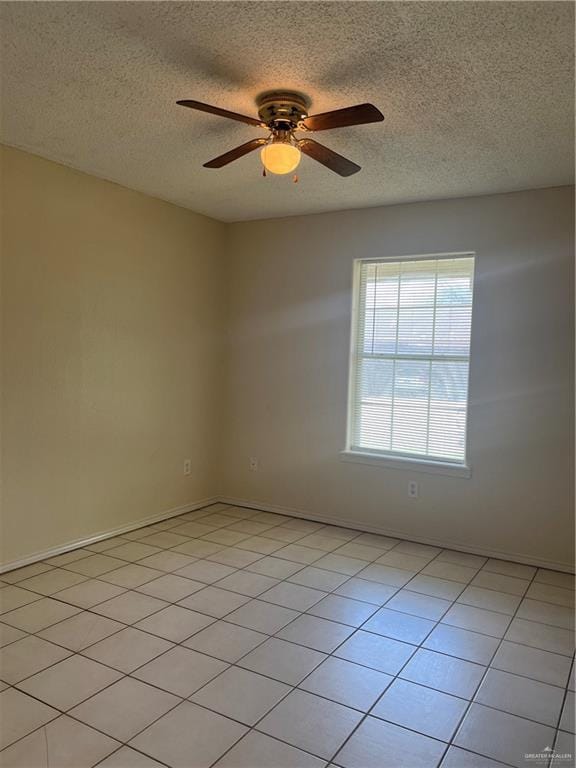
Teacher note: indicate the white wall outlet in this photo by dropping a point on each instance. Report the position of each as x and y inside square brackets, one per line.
[413, 489]
[188, 467]
[253, 464]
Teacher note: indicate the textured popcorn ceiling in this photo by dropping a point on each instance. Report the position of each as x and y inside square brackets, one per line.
[477, 96]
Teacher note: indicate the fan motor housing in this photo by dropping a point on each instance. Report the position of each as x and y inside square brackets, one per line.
[282, 109]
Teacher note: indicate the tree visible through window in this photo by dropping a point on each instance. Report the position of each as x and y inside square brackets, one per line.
[410, 358]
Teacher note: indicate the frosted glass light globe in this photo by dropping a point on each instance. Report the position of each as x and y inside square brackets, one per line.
[280, 157]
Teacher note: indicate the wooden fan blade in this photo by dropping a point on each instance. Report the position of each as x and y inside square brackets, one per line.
[339, 118]
[220, 112]
[234, 154]
[340, 165]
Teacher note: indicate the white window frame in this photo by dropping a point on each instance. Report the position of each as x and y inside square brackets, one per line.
[388, 459]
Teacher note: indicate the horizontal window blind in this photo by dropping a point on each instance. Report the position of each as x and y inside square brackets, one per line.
[411, 347]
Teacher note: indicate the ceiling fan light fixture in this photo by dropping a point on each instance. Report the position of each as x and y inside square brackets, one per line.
[283, 113]
[280, 155]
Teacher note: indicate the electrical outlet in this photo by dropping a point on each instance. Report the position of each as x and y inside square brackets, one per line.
[413, 489]
[253, 464]
[188, 467]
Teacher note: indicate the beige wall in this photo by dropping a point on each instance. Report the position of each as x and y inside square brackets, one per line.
[111, 355]
[289, 319]
[114, 309]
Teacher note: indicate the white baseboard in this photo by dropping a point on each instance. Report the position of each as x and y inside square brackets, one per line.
[265, 507]
[79, 543]
[357, 525]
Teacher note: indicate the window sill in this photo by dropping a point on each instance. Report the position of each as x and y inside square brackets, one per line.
[412, 464]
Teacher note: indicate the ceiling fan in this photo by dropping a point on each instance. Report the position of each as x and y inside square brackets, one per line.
[283, 113]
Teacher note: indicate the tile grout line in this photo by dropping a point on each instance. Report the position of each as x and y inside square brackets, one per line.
[305, 535]
[124, 674]
[285, 580]
[252, 597]
[394, 677]
[214, 711]
[488, 667]
[453, 602]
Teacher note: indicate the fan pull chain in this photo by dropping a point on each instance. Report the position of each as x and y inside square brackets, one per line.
[263, 171]
[295, 179]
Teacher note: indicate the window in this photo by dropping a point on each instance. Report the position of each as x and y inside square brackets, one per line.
[410, 357]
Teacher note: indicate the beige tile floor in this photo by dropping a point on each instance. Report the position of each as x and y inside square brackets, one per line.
[235, 638]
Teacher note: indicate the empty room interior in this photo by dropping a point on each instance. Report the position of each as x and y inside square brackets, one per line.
[287, 384]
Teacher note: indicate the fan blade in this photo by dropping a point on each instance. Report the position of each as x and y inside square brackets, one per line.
[220, 112]
[234, 154]
[340, 165]
[339, 118]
